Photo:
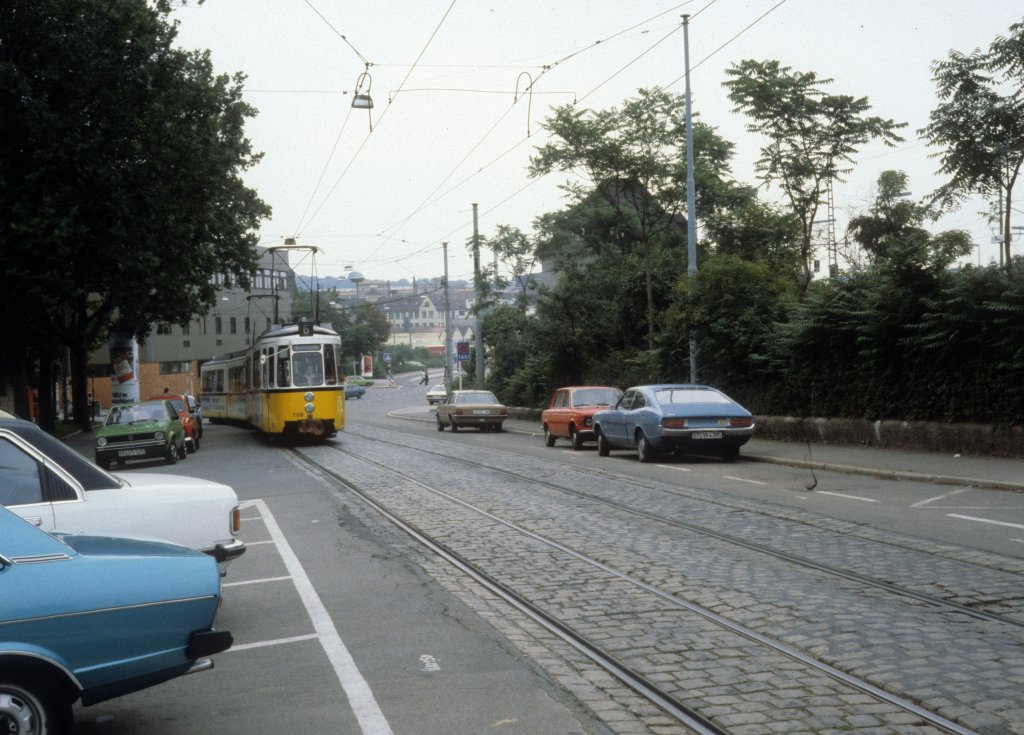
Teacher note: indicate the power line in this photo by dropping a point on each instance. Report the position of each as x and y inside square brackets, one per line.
[339, 33]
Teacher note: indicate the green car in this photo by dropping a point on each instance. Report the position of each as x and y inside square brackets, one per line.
[145, 430]
[357, 380]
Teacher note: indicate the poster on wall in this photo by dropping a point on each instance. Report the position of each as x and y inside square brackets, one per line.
[367, 366]
[124, 357]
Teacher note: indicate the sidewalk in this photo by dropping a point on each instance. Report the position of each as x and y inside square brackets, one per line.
[996, 473]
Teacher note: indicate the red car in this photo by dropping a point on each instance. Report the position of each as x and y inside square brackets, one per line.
[189, 420]
[570, 412]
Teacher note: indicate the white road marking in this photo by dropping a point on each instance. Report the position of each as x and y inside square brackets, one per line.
[741, 479]
[844, 495]
[364, 705]
[277, 642]
[939, 497]
[673, 467]
[254, 581]
[986, 520]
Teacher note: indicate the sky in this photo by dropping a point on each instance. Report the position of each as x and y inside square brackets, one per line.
[380, 191]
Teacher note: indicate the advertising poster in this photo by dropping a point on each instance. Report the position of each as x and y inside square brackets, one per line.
[367, 366]
[124, 357]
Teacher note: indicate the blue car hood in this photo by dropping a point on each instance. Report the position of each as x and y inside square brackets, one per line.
[109, 546]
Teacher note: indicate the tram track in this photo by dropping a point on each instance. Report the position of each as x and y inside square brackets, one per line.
[670, 701]
[973, 611]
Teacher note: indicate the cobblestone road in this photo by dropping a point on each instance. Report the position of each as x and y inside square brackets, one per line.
[967, 670]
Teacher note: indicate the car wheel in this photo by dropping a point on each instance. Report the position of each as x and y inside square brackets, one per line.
[33, 705]
[644, 452]
[549, 438]
[575, 438]
[497, 428]
[454, 426]
[731, 454]
[172, 454]
[440, 424]
[602, 444]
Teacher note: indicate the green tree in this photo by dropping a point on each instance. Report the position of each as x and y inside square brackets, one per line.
[120, 174]
[812, 136]
[980, 125]
[633, 160]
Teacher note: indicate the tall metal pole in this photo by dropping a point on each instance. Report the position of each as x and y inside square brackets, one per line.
[447, 324]
[691, 202]
[478, 321]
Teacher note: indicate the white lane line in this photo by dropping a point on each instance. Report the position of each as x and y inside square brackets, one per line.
[364, 705]
[278, 642]
[741, 479]
[673, 467]
[939, 497]
[844, 495]
[986, 520]
[254, 581]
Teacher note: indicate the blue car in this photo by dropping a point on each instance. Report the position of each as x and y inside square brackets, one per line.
[354, 391]
[652, 419]
[96, 617]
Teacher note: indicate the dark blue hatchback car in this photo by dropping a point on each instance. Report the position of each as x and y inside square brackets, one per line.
[664, 418]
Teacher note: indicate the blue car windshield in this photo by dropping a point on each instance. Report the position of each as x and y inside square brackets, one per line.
[689, 395]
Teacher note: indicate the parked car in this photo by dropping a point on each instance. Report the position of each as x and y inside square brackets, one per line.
[56, 488]
[358, 380]
[465, 408]
[354, 391]
[180, 403]
[95, 617]
[140, 431]
[437, 394]
[661, 418]
[570, 413]
[197, 412]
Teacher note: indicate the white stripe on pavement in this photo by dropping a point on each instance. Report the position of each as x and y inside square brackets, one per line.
[364, 705]
[986, 520]
[844, 495]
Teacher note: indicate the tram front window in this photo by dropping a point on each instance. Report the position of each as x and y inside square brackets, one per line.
[308, 368]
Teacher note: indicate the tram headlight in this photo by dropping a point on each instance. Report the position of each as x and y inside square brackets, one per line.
[309, 408]
[308, 396]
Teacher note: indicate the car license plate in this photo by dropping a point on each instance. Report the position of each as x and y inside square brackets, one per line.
[481, 412]
[706, 435]
[131, 452]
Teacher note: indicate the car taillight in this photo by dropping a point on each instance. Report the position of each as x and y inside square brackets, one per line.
[740, 423]
[457, 412]
[235, 521]
[673, 423]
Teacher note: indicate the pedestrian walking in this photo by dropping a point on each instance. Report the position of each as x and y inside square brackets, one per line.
[426, 377]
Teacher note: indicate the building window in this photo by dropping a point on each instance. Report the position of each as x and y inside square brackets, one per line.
[220, 342]
[186, 343]
[247, 325]
[185, 329]
[163, 328]
[233, 324]
[217, 326]
[175, 368]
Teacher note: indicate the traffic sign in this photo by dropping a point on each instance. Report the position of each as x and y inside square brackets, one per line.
[462, 351]
[387, 358]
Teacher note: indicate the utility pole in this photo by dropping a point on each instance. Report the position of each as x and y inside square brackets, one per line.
[691, 206]
[447, 324]
[478, 321]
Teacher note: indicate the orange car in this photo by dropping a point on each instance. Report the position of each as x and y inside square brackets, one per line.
[570, 412]
[188, 419]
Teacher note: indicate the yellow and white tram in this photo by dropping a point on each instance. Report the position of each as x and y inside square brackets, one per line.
[289, 383]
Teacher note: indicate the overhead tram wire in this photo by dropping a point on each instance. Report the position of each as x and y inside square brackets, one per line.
[339, 33]
[747, 28]
[384, 112]
[544, 69]
[323, 172]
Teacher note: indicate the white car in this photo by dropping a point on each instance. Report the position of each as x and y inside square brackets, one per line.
[436, 394]
[57, 489]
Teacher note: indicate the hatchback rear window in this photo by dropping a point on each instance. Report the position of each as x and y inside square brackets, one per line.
[689, 395]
